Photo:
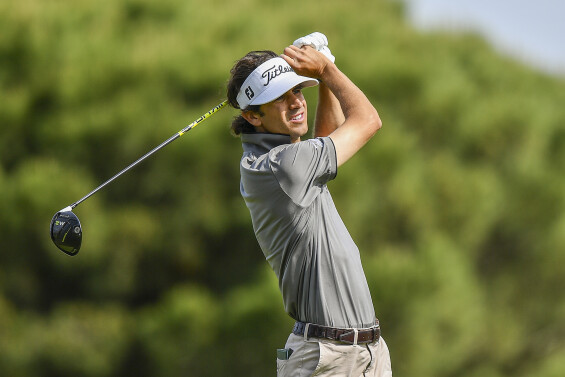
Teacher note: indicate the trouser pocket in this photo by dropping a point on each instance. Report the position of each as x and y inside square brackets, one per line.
[301, 361]
[337, 359]
[283, 354]
[380, 367]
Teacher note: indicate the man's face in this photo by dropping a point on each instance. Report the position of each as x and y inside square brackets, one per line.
[286, 115]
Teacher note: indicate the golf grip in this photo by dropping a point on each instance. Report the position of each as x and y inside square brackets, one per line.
[163, 144]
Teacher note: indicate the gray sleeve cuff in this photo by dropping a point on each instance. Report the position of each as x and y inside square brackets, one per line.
[331, 155]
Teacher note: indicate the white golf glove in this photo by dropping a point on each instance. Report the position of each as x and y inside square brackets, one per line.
[318, 41]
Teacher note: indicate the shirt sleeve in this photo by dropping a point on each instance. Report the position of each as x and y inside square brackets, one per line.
[303, 169]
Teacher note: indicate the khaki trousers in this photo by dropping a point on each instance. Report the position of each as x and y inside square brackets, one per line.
[325, 358]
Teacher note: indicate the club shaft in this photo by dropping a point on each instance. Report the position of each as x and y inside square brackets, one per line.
[160, 146]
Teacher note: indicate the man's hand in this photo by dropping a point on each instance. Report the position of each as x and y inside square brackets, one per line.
[306, 61]
[318, 41]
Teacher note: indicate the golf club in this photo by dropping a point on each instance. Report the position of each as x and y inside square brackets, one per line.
[65, 228]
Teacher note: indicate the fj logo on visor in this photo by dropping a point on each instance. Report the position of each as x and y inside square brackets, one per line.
[249, 92]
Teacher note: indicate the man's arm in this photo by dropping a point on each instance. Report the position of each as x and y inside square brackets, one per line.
[329, 115]
[361, 120]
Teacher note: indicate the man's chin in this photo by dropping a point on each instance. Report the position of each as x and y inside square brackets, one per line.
[300, 130]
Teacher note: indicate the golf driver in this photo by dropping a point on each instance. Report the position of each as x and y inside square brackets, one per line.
[65, 228]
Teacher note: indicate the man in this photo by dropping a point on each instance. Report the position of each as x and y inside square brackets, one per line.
[283, 182]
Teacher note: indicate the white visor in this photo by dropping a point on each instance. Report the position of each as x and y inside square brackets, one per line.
[269, 81]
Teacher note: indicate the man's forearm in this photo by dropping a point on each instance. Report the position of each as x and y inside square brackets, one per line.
[329, 115]
[351, 100]
[361, 118]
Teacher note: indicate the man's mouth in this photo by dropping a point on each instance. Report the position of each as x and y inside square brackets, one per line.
[297, 118]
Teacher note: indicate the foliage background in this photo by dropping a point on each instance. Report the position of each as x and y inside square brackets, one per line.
[457, 204]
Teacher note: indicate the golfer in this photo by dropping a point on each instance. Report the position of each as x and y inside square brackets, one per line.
[284, 185]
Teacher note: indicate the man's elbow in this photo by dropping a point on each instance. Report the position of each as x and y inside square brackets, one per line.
[375, 123]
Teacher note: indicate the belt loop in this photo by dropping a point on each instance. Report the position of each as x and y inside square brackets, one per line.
[306, 327]
[355, 336]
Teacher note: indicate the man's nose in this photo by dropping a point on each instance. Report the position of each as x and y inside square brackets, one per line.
[295, 100]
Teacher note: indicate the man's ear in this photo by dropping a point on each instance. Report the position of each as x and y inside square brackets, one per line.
[252, 117]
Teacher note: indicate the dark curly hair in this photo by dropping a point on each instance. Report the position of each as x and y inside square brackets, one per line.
[241, 69]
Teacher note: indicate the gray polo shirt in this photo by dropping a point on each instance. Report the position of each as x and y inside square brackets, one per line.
[300, 231]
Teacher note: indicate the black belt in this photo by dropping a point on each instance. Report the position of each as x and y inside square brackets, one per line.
[366, 335]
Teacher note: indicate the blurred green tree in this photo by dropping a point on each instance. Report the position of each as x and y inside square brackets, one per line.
[458, 204]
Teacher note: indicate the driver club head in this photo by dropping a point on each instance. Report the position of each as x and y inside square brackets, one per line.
[66, 231]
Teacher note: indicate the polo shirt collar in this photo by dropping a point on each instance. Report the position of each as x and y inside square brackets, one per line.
[263, 141]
